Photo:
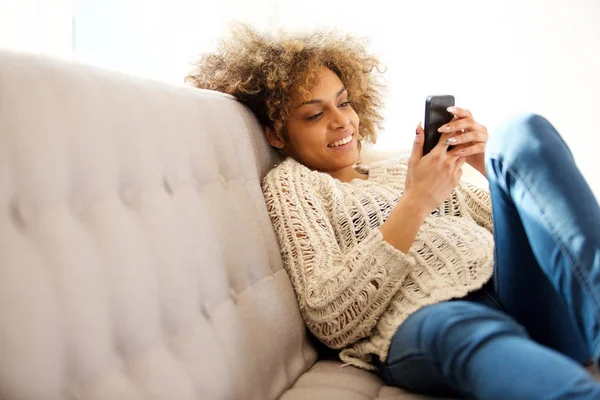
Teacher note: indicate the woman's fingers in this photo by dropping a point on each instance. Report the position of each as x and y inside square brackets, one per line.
[460, 112]
[457, 138]
[466, 150]
[443, 143]
[462, 122]
[417, 150]
[420, 129]
[467, 136]
[465, 125]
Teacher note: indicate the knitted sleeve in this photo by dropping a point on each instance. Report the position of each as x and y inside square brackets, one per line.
[479, 204]
[341, 294]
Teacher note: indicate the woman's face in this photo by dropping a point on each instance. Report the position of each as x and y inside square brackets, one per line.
[323, 131]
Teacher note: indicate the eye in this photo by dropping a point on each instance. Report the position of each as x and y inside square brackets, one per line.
[345, 104]
[314, 117]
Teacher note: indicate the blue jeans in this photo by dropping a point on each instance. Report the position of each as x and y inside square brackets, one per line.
[525, 334]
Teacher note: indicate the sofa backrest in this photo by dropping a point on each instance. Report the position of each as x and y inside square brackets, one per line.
[137, 260]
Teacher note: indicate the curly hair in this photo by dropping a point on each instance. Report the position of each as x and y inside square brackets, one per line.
[262, 70]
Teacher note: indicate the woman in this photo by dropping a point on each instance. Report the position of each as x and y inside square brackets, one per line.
[399, 264]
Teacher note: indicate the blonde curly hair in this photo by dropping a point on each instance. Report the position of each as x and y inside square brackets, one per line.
[262, 70]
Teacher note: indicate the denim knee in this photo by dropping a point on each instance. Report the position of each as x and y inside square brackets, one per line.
[518, 137]
[523, 140]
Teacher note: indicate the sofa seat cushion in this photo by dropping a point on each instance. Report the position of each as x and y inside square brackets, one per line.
[328, 380]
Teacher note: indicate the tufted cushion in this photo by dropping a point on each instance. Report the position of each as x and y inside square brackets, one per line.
[138, 260]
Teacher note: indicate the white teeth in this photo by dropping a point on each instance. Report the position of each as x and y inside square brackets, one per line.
[341, 142]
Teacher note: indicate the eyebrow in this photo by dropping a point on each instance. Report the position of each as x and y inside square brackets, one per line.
[316, 101]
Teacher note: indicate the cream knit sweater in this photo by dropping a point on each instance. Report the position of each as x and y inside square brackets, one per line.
[354, 289]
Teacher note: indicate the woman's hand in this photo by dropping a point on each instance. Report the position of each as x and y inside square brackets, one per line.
[431, 179]
[468, 136]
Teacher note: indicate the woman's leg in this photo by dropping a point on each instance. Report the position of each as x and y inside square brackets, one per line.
[547, 233]
[472, 350]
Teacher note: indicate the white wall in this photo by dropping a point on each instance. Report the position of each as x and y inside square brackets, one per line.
[37, 26]
[496, 57]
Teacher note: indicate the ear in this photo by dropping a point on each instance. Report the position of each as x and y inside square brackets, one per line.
[273, 139]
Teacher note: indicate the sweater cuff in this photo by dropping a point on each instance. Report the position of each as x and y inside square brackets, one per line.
[393, 259]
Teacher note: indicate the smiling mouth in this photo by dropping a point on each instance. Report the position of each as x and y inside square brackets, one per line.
[341, 142]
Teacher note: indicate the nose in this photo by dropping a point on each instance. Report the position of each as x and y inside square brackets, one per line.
[339, 120]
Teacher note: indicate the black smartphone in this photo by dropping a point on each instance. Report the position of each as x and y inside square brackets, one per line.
[436, 115]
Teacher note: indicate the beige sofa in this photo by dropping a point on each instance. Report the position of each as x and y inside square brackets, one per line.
[137, 257]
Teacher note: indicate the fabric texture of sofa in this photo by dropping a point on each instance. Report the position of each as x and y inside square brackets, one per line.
[137, 257]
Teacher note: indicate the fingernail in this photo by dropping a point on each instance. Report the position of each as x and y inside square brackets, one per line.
[445, 128]
[451, 109]
[450, 140]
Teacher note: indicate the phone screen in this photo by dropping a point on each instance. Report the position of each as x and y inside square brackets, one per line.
[436, 115]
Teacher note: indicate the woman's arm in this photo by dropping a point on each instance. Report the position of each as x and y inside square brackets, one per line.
[429, 180]
[402, 226]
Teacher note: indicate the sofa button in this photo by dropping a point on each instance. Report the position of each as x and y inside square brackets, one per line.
[130, 198]
[233, 296]
[204, 311]
[19, 213]
[168, 187]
